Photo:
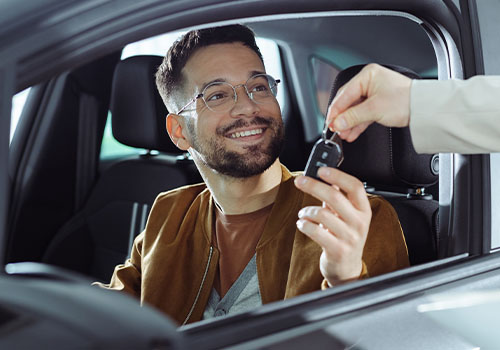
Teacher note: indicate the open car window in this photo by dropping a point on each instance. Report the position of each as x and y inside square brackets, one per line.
[307, 69]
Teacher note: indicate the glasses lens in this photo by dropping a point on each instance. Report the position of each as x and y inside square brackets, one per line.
[262, 87]
[219, 96]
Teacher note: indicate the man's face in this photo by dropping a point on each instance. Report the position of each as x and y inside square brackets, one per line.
[245, 140]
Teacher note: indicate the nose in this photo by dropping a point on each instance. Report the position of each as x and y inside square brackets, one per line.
[244, 105]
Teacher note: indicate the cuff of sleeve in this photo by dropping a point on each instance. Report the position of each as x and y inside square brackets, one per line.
[422, 94]
[364, 274]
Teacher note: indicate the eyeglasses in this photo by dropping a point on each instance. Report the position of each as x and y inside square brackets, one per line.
[221, 96]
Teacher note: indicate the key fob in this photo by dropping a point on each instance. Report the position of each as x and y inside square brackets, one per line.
[324, 153]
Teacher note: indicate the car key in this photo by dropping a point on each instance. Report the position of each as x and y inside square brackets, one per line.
[327, 151]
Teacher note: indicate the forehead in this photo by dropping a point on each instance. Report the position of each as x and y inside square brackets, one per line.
[231, 62]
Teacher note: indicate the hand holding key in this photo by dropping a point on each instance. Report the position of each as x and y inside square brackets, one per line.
[340, 226]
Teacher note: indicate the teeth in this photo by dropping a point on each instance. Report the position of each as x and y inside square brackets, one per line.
[246, 133]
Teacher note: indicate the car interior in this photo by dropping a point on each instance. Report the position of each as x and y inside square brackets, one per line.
[103, 204]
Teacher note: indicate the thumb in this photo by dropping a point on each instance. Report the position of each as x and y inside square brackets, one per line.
[354, 116]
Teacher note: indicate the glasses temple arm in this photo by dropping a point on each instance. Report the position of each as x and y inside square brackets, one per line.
[189, 103]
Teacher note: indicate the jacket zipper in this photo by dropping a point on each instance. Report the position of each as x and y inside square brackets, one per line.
[201, 286]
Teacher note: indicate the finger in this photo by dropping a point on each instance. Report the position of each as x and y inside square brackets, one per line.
[318, 234]
[352, 134]
[362, 113]
[344, 135]
[327, 219]
[356, 131]
[313, 187]
[318, 189]
[349, 94]
[342, 207]
[338, 202]
[351, 186]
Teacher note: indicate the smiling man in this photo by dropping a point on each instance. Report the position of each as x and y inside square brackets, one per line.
[253, 232]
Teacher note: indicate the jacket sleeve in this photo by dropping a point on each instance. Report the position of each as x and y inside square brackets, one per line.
[362, 275]
[385, 248]
[127, 276]
[459, 116]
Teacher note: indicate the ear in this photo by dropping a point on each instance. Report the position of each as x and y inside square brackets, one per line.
[175, 131]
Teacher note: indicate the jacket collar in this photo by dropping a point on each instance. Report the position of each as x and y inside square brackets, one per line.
[288, 197]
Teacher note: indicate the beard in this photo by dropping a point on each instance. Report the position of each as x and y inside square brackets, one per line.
[254, 161]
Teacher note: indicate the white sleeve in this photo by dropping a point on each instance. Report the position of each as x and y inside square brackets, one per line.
[460, 116]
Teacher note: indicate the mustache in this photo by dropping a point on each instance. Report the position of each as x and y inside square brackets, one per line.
[241, 123]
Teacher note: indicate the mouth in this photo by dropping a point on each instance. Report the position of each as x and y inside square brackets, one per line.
[246, 133]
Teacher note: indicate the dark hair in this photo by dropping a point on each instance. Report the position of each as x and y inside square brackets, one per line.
[168, 75]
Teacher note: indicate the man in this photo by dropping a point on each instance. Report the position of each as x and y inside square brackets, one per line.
[232, 243]
[444, 116]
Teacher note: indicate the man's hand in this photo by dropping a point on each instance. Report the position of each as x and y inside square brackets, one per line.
[375, 94]
[340, 226]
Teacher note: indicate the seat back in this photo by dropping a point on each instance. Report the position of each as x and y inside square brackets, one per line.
[385, 160]
[100, 236]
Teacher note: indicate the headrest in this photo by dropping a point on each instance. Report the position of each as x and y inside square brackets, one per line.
[137, 110]
[383, 156]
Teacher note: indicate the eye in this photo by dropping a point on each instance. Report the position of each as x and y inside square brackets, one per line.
[216, 96]
[260, 88]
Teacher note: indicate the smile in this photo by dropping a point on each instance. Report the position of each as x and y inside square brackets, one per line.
[246, 133]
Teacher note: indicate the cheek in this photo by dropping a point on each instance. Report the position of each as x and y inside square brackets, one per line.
[205, 126]
[273, 106]
[273, 110]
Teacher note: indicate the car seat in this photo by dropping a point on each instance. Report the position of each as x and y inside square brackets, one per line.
[100, 235]
[385, 160]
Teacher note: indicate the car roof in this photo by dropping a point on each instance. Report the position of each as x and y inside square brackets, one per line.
[37, 33]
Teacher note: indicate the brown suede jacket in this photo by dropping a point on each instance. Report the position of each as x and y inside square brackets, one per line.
[173, 262]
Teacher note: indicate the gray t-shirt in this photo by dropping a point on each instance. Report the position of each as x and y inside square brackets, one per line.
[244, 295]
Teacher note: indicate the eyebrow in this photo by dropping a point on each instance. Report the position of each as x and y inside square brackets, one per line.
[218, 80]
[222, 80]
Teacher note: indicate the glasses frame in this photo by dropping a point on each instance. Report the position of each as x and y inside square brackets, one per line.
[201, 95]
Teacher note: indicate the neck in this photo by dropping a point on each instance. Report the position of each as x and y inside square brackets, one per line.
[240, 196]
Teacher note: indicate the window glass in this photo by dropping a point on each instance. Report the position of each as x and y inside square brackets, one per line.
[18, 102]
[159, 45]
[324, 74]
[111, 148]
